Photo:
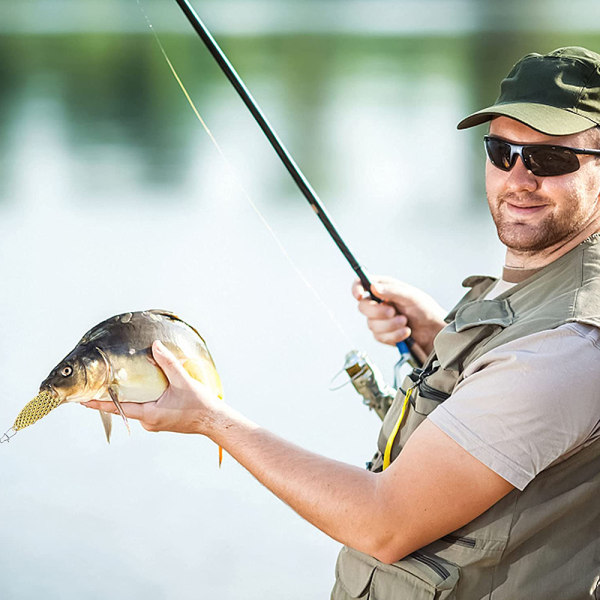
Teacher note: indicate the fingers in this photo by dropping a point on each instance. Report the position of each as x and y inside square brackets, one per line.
[376, 310]
[384, 319]
[381, 326]
[377, 281]
[393, 337]
[391, 291]
[143, 413]
[385, 288]
[132, 410]
[167, 361]
[390, 331]
[358, 291]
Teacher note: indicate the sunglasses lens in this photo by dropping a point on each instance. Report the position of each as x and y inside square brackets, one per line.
[542, 160]
[499, 153]
[546, 161]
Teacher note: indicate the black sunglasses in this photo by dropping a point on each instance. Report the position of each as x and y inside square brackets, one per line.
[541, 159]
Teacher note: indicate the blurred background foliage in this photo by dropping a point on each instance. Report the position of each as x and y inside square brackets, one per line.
[99, 64]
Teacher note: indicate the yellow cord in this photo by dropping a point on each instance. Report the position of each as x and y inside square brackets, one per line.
[388, 447]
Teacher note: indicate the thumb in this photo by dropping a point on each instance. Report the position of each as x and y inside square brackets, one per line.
[358, 291]
[382, 291]
[167, 361]
[393, 292]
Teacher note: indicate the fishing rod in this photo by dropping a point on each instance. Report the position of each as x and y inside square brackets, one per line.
[406, 348]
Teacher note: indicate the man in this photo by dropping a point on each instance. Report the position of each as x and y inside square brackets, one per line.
[487, 478]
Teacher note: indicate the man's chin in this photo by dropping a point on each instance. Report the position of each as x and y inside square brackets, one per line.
[524, 238]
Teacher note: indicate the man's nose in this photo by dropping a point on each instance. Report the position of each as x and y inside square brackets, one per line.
[521, 178]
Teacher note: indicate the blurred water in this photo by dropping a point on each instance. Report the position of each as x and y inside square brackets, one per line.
[112, 198]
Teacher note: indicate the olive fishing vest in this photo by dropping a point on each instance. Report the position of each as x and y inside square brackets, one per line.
[542, 543]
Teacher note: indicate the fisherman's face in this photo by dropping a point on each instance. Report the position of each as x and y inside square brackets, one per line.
[533, 214]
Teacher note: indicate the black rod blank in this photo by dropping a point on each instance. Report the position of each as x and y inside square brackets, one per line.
[280, 149]
[268, 130]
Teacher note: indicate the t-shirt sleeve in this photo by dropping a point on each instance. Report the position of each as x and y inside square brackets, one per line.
[528, 404]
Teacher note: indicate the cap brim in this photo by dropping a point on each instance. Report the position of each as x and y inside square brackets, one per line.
[546, 119]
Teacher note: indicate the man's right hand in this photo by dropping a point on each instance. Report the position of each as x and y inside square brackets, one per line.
[405, 311]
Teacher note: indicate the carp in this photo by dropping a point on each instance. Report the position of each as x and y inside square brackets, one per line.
[113, 361]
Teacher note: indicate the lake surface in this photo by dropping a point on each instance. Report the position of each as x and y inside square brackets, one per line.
[113, 198]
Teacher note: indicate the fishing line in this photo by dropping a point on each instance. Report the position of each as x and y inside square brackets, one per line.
[237, 180]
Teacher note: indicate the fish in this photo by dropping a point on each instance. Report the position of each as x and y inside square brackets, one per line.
[113, 361]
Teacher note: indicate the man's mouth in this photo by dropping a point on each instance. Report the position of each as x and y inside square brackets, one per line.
[524, 210]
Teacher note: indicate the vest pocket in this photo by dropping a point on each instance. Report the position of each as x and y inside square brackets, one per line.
[428, 398]
[353, 575]
[438, 568]
[416, 577]
[467, 542]
[433, 394]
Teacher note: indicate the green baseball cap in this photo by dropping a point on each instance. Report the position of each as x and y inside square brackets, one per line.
[556, 93]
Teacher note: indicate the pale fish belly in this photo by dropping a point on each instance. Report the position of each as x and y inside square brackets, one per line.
[136, 379]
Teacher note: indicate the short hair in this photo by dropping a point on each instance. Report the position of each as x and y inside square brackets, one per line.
[594, 137]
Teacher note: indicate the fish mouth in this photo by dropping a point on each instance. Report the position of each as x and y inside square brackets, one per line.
[47, 387]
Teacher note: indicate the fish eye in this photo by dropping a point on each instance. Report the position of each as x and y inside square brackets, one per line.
[66, 371]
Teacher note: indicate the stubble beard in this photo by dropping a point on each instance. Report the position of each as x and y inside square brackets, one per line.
[528, 236]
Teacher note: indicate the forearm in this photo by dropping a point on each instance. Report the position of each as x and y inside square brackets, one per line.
[337, 498]
[387, 515]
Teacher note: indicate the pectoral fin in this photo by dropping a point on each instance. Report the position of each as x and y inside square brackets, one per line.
[106, 423]
[115, 398]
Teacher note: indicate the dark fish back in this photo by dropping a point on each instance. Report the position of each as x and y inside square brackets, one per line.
[139, 329]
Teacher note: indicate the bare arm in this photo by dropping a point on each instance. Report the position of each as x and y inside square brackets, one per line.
[387, 515]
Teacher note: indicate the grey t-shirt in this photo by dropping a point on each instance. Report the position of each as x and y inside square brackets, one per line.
[528, 404]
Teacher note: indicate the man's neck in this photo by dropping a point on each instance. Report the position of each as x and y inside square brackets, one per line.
[510, 275]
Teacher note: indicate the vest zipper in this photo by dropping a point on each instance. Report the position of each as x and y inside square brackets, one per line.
[462, 541]
[432, 564]
[418, 376]
[431, 393]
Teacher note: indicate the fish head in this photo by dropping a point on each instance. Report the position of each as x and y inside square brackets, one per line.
[82, 375]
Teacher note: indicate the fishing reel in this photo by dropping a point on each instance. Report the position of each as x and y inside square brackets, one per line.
[369, 382]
